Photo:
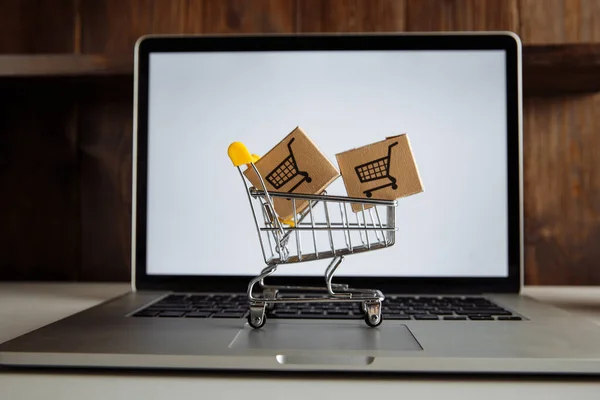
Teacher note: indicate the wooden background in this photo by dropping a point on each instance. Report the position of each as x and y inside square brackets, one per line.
[65, 144]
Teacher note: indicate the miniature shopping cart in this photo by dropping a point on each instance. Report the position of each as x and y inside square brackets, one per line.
[287, 170]
[375, 170]
[323, 227]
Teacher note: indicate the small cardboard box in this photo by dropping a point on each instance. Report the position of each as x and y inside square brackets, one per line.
[294, 165]
[383, 170]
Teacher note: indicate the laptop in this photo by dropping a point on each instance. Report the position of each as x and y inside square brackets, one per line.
[452, 278]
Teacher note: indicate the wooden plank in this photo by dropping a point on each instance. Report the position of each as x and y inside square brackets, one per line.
[113, 26]
[39, 183]
[351, 16]
[34, 26]
[466, 15]
[105, 124]
[547, 69]
[562, 200]
[562, 191]
[550, 70]
[65, 65]
[240, 16]
[559, 21]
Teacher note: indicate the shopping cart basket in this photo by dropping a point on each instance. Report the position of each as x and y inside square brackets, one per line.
[287, 170]
[375, 170]
[330, 230]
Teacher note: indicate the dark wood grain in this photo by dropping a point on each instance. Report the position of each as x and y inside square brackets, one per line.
[105, 143]
[240, 16]
[36, 26]
[550, 70]
[562, 190]
[559, 21]
[61, 65]
[105, 123]
[562, 199]
[39, 183]
[113, 26]
[466, 15]
[351, 15]
[65, 144]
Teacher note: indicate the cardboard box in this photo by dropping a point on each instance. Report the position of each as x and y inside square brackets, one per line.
[294, 165]
[383, 170]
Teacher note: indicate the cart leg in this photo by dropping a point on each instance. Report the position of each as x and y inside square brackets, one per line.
[257, 317]
[259, 279]
[373, 316]
[270, 294]
[329, 272]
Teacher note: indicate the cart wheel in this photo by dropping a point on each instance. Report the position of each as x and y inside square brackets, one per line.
[257, 324]
[308, 179]
[394, 186]
[369, 194]
[374, 320]
[373, 316]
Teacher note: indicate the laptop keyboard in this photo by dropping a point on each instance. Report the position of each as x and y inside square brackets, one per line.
[419, 308]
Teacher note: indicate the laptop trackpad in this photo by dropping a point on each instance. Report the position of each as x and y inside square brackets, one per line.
[325, 336]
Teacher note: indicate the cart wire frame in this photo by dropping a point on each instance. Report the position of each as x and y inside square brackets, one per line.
[314, 215]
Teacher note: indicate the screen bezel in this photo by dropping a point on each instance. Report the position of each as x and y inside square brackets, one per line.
[506, 41]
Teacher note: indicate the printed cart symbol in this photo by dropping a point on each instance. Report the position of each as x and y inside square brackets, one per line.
[286, 171]
[377, 169]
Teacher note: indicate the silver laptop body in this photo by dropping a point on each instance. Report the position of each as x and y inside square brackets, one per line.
[458, 244]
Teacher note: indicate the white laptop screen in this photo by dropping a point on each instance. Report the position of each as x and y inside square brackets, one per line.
[452, 105]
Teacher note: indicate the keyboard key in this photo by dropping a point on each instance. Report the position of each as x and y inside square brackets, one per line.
[337, 312]
[393, 312]
[471, 312]
[233, 310]
[172, 307]
[284, 312]
[311, 312]
[211, 309]
[492, 312]
[196, 297]
[202, 304]
[284, 315]
[480, 318]
[511, 318]
[171, 314]
[146, 313]
[426, 317]
[198, 314]
[455, 318]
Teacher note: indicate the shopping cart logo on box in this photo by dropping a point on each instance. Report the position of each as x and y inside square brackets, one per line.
[375, 170]
[287, 170]
[343, 231]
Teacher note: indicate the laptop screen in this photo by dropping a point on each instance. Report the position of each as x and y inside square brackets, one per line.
[452, 104]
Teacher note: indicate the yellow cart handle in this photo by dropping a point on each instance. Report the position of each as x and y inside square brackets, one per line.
[240, 155]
